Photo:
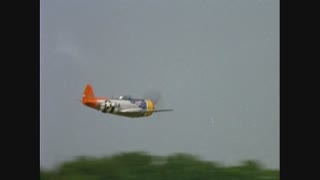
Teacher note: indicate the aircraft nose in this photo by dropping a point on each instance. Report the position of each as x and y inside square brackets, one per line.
[150, 105]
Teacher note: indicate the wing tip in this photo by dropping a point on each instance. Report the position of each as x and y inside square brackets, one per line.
[162, 110]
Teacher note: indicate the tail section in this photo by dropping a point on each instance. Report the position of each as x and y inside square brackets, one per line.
[88, 93]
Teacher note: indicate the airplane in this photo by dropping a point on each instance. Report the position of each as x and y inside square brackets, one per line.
[122, 106]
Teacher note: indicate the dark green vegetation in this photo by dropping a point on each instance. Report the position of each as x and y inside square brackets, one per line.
[142, 166]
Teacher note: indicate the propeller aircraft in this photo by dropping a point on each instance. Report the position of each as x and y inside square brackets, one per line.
[122, 106]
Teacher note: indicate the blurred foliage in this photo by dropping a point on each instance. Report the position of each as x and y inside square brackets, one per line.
[142, 166]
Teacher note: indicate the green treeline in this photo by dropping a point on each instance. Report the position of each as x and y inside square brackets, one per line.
[142, 166]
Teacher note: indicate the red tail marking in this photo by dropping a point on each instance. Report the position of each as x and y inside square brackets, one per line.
[88, 97]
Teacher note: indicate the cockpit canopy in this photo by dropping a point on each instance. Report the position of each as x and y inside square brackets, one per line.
[127, 97]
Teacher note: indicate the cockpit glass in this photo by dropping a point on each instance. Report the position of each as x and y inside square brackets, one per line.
[125, 97]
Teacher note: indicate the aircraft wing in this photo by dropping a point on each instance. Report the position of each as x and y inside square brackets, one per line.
[135, 110]
[160, 110]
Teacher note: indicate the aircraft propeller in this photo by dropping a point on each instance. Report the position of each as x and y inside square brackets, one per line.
[153, 95]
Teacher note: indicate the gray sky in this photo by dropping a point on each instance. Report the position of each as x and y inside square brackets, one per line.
[215, 62]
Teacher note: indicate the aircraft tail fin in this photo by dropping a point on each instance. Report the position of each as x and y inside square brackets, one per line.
[88, 93]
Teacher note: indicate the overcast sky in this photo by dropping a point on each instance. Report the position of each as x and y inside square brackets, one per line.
[215, 62]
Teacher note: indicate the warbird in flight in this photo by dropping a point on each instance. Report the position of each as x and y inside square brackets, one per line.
[123, 105]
